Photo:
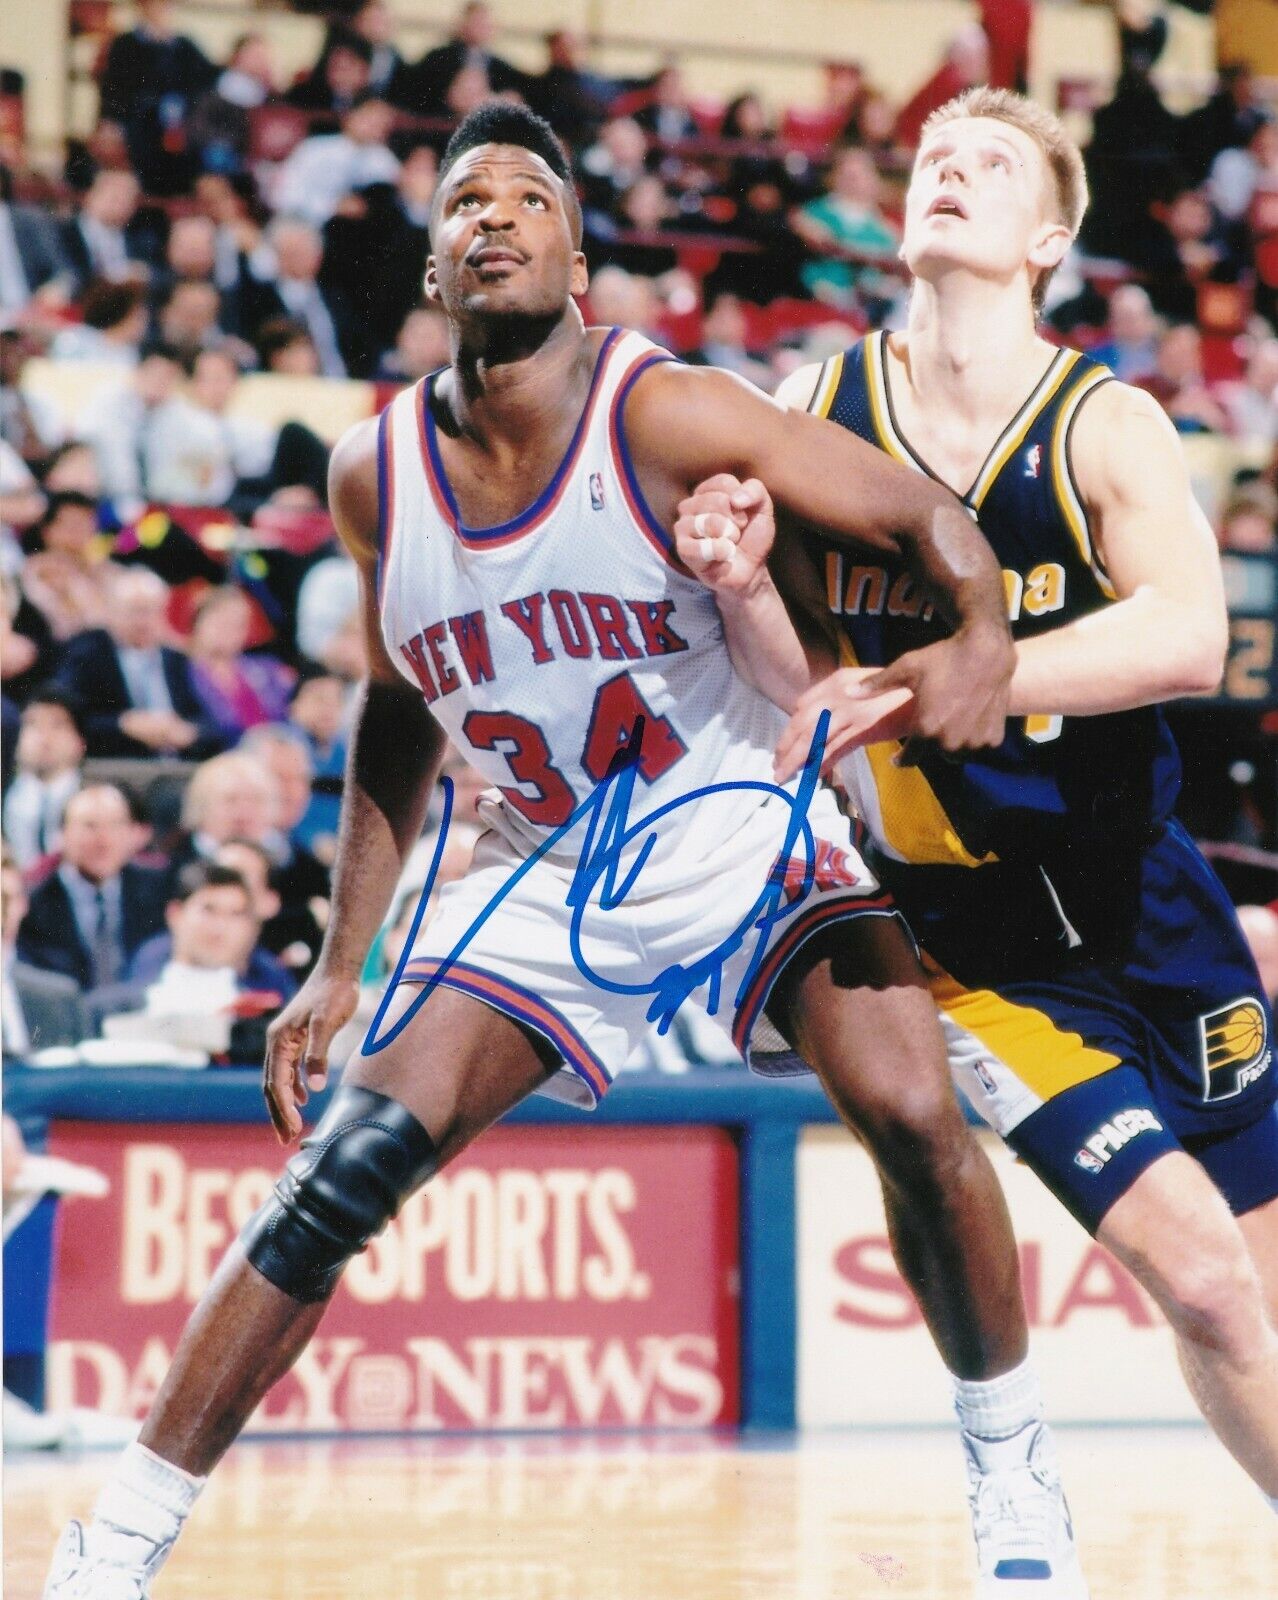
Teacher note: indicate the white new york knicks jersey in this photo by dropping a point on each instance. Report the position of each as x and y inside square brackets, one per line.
[538, 643]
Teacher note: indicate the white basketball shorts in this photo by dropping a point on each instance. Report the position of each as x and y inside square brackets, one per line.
[593, 978]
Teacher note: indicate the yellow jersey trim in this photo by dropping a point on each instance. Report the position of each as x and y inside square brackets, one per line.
[911, 820]
[1013, 435]
[827, 387]
[1046, 1058]
[1067, 496]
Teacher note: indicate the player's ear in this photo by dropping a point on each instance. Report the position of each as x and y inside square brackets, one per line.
[430, 283]
[1050, 246]
[579, 279]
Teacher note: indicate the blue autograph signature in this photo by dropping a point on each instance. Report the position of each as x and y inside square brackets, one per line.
[609, 833]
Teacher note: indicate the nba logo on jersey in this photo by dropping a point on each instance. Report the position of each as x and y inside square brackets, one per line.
[1033, 460]
[596, 491]
[1235, 1048]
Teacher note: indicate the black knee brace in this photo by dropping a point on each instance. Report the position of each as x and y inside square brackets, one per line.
[361, 1161]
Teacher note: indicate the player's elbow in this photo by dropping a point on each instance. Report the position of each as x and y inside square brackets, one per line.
[1202, 657]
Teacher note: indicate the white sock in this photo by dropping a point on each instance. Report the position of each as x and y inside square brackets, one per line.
[999, 1408]
[141, 1510]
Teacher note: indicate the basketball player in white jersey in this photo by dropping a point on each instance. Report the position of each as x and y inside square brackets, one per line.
[523, 598]
[1103, 1009]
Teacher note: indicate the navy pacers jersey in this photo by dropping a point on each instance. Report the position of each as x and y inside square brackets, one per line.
[1073, 935]
[1073, 779]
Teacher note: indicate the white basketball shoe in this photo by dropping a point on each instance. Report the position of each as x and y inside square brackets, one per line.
[76, 1575]
[1024, 1536]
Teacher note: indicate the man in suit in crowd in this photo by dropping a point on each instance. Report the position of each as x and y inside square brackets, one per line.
[50, 751]
[89, 916]
[285, 283]
[137, 693]
[106, 239]
[428, 82]
[32, 262]
[39, 1008]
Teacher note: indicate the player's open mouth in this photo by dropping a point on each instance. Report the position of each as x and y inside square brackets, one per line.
[495, 256]
[946, 205]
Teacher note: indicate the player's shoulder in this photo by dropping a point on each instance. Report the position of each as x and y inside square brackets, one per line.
[353, 488]
[1117, 420]
[797, 390]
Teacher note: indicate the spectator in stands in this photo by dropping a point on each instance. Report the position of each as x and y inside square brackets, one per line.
[723, 342]
[188, 318]
[667, 117]
[66, 576]
[220, 125]
[190, 251]
[966, 64]
[1132, 347]
[374, 22]
[469, 49]
[259, 970]
[239, 691]
[263, 460]
[325, 168]
[137, 693]
[873, 128]
[1250, 522]
[89, 916]
[113, 329]
[209, 971]
[151, 79]
[28, 651]
[73, 466]
[21, 503]
[1252, 401]
[644, 211]
[613, 164]
[421, 346]
[1237, 173]
[34, 272]
[1225, 122]
[573, 100]
[49, 758]
[30, 423]
[230, 207]
[318, 712]
[1131, 165]
[286, 283]
[285, 345]
[106, 240]
[621, 299]
[848, 216]
[1187, 249]
[338, 79]
[39, 1009]
[1178, 384]
[236, 796]
[121, 423]
[328, 616]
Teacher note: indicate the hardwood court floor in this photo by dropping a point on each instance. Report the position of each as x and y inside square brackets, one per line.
[1162, 1513]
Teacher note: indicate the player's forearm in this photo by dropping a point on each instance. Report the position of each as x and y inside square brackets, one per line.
[1137, 652]
[395, 754]
[766, 647]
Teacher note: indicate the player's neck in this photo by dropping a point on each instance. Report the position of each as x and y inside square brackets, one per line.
[971, 343]
[507, 376]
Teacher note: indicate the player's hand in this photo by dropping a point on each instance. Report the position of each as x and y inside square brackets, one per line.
[297, 1047]
[724, 532]
[959, 687]
[858, 715]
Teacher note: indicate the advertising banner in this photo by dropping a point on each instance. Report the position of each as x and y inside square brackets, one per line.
[551, 1278]
[1103, 1349]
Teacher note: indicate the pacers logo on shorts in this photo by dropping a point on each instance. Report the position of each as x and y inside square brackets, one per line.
[1235, 1048]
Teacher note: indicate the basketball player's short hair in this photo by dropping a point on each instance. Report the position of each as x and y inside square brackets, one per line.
[1064, 160]
[504, 122]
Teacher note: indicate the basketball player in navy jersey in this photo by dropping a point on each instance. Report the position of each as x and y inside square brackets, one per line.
[1102, 1008]
[522, 595]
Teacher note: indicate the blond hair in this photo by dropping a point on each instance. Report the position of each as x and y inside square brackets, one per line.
[1063, 157]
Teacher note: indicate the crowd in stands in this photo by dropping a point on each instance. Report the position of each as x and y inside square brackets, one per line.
[179, 642]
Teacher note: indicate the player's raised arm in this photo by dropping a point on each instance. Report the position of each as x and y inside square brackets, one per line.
[395, 752]
[1167, 633]
[706, 421]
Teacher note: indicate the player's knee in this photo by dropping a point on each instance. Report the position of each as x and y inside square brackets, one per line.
[353, 1172]
[914, 1130]
[1215, 1301]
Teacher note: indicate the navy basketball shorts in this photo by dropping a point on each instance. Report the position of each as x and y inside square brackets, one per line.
[1124, 1043]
